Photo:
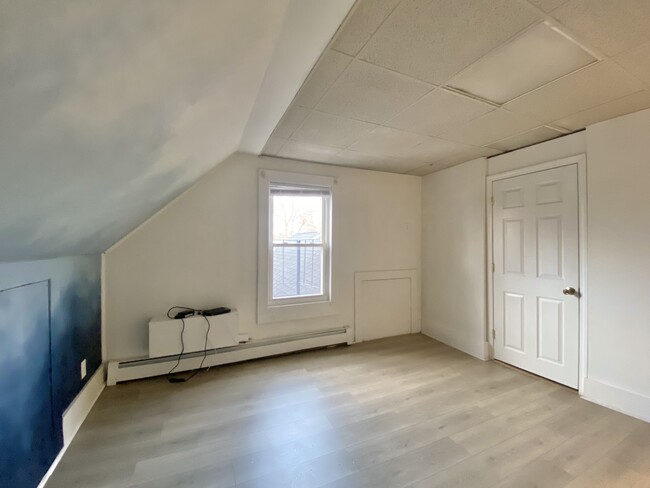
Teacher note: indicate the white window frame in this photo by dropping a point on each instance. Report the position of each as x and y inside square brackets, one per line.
[291, 308]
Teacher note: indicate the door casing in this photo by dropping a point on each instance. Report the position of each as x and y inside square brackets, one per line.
[581, 162]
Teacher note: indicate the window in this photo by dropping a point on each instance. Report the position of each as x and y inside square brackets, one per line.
[295, 246]
[298, 217]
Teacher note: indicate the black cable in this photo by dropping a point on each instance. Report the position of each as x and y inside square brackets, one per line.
[205, 346]
[182, 308]
[178, 360]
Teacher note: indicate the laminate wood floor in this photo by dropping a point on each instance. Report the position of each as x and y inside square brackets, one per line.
[400, 412]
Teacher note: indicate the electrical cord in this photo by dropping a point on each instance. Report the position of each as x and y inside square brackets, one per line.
[193, 373]
[178, 360]
[205, 346]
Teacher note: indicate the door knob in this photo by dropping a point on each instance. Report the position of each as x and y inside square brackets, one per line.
[569, 290]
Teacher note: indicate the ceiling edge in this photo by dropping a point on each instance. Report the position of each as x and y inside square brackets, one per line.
[308, 28]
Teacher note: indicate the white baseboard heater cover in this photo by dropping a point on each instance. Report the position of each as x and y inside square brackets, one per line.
[165, 334]
[147, 367]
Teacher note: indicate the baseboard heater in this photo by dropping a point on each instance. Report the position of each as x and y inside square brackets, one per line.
[133, 369]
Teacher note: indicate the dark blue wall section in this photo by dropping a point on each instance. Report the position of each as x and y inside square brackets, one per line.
[29, 437]
[76, 333]
[50, 320]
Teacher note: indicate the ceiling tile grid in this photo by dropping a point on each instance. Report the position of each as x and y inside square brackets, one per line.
[548, 5]
[371, 93]
[434, 40]
[637, 62]
[615, 108]
[308, 152]
[331, 130]
[328, 70]
[362, 24]
[587, 88]
[414, 86]
[491, 127]
[384, 141]
[555, 56]
[528, 138]
[437, 111]
[611, 26]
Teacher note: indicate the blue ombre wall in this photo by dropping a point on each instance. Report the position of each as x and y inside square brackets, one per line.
[50, 317]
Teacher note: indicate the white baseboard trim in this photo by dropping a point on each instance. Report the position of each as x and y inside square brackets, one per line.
[483, 356]
[75, 415]
[619, 399]
[145, 368]
[80, 407]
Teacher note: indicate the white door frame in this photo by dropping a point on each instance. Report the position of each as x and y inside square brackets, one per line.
[581, 162]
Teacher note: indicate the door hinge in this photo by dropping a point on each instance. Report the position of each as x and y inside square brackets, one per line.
[494, 334]
[492, 200]
[493, 268]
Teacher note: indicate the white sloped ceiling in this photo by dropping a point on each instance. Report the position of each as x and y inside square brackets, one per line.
[109, 109]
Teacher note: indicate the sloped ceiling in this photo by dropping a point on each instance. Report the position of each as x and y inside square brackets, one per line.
[109, 109]
[415, 86]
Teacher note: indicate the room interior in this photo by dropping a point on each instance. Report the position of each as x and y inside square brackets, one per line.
[388, 243]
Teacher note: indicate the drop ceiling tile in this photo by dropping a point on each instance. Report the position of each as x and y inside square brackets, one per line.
[368, 161]
[579, 91]
[331, 65]
[384, 141]
[430, 151]
[356, 158]
[548, 5]
[331, 130]
[609, 25]
[463, 157]
[371, 93]
[438, 111]
[273, 145]
[362, 24]
[615, 108]
[308, 152]
[533, 136]
[425, 169]
[434, 39]
[491, 127]
[469, 155]
[291, 120]
[393, 166]
[538, 56]
[637, 62]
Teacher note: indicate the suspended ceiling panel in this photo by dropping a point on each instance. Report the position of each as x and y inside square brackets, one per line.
[533, 136]
[371, 93]
[555, 56]
[414, 86]
[612, 26]
[434, 40]
[587, 88]
[437, 111]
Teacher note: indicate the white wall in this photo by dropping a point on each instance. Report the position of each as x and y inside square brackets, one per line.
[201, 250]
[454, 242]
[618, 254]
[453, 256]
[618, 259]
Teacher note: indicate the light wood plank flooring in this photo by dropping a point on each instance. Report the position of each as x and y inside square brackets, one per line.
[399, 412]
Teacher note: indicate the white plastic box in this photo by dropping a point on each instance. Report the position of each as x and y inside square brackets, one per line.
[165, 334]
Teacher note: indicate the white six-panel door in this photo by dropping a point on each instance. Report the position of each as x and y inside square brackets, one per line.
[536, 269]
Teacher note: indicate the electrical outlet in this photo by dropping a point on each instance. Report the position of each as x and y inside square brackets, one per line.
[83, 369]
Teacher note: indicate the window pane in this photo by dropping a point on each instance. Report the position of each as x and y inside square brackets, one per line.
[297, 271]
[297, 219]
